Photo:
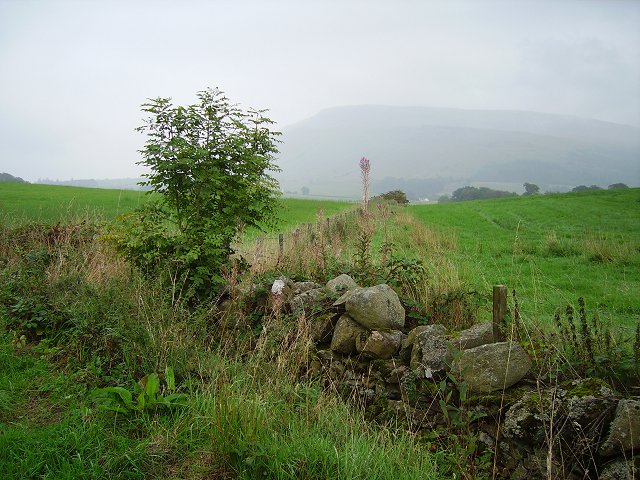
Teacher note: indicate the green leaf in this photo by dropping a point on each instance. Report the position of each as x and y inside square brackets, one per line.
[152, 387]
[176, 399]
[142, 401]
[170, 379]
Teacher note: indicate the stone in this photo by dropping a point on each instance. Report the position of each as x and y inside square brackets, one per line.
[492, 367]
[321, 327]
[376, 344]
[396, 374]
[341, 283]
[479, 334]
[407, 343]
[327, 356]
[307, 301]
[301, 287]
[345, 334]
[621, 469]
[376, 308]
[578, 409]
[281, 293]
[341, 302]
[624, 431]
[527, 419]
[431, 353]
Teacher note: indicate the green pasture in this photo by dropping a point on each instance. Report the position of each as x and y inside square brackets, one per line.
[551, 248]
[26, 203]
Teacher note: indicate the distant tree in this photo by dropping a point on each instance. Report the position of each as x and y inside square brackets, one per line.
[615, 186]
[305, 190]
[584, 188]
[444, 198]
[531, 189]
[481, 193]
[7, 177]
[397, 196]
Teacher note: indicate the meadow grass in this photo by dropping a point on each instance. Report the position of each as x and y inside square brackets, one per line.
[551, 249]
[22, 203]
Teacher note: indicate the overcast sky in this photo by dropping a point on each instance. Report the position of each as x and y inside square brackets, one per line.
[74, 73]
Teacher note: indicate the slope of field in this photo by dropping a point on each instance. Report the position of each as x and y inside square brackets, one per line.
[552, 249]
[25, 203]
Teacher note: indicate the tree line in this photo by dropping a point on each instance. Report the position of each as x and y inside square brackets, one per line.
[480, 193]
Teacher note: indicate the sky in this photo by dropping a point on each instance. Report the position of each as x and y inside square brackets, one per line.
[73, 74]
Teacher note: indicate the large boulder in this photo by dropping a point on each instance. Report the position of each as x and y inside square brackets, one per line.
[431, 353]
[377, 344]
[624, 432]
[492, 367]
[345, 334]
[376, 308]
[341, 283]
[479, 334]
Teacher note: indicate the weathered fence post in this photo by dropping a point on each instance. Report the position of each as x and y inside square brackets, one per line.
[280, 247]
[499, 311]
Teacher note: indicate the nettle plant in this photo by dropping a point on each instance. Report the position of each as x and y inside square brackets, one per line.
[210, 165]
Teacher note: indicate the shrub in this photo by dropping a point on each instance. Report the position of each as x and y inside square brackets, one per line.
[397, 196]
[210, 165]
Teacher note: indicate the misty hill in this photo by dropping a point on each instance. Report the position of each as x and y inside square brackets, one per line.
[7, 177]
[428, 151]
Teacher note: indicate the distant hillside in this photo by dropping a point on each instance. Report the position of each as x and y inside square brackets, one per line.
[429, 151]
[6, 177]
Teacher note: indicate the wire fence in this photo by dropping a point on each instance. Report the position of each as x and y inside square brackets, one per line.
[275, 248]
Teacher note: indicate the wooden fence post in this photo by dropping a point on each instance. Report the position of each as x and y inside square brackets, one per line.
[499, 311]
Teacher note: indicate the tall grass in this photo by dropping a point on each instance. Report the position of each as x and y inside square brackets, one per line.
[248, 412]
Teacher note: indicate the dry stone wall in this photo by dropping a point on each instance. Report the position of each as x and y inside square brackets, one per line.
[580, 429]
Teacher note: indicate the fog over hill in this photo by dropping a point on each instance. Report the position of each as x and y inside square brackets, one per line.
[429, 151]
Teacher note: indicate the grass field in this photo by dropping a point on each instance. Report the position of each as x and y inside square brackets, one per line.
[552, 249]
[48, 204]
[23, 203]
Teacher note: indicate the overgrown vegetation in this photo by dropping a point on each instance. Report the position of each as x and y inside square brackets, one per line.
[112, 378]
[108, 376]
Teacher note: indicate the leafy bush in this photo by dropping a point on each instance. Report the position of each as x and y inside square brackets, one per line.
[209, 163]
